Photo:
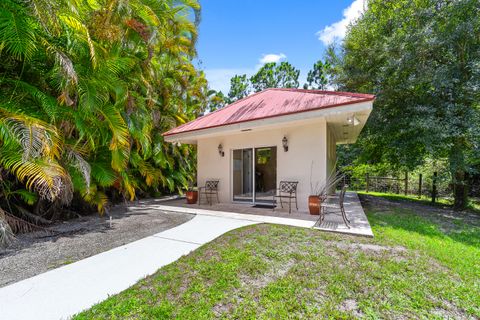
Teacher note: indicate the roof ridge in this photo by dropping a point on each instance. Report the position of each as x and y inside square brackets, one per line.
[331, 92]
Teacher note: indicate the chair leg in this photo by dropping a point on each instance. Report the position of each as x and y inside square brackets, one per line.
[199, 198]
[342, 208]
[344, 216]
[218, 200]
[296, 204]
[289, 205]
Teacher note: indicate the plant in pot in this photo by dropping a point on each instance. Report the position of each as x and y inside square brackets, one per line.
[319, 191]
[313, 198]
[192, 194]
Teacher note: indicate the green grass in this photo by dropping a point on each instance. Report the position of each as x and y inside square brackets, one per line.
[473, 204]
[402, 197]
[415, 267]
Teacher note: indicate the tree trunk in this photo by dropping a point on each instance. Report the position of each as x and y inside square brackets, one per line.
[459, 175]
[460, 190]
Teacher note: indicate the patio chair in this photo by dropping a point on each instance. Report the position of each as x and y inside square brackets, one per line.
[209, 190]
[335, 206]
[286, 190]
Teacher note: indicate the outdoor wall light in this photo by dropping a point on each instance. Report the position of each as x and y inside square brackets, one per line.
[220, 150]
[285, 144]
[353, 121]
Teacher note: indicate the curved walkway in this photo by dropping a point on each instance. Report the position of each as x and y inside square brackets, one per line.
[65, 291]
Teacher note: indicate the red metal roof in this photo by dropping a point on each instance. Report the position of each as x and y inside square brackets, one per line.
[271, 103]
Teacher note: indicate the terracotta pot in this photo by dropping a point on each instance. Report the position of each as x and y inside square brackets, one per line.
[192, 196]
[314, 205]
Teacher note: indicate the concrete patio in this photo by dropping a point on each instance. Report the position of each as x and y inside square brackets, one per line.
[359, 224]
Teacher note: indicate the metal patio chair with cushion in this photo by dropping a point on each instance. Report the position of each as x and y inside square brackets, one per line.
[286, 190]
[334, 204]
[209, 190]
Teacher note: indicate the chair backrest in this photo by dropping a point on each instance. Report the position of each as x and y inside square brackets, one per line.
[288, 186]
[211, 184]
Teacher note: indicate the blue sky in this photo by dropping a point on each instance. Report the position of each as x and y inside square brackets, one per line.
[238, 36]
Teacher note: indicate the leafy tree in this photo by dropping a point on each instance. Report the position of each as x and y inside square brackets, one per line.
[273, 75]
[216, 100]
[422, 60]
[317, 78]
[86, 88]
[239, 88]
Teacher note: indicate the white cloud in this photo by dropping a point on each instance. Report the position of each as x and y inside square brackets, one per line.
[337, 30]
[219, 79]
[272, 57]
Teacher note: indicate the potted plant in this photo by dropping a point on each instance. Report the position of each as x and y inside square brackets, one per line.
[319, 191]
[313, 198]
[192, 194]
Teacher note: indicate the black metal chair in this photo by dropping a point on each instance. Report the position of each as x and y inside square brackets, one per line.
[209, 190]
[335, 206]
[286, 190]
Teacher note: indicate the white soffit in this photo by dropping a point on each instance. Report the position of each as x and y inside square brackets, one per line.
[336, 118]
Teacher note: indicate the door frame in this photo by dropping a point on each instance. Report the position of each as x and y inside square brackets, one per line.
[253, 202]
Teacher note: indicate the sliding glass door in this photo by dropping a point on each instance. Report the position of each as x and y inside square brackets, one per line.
[254, 174]
[265, 174]
[243, 175]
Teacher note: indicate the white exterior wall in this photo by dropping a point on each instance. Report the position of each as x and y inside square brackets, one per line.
[331, 152]
[307, 142]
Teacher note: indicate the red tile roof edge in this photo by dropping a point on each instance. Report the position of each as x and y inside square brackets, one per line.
[366, 97]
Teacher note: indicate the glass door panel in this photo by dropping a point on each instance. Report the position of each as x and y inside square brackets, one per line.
[243, 175]
[265, 174]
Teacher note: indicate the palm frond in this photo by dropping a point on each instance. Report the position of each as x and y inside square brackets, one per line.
[36, 138]
[17, 31]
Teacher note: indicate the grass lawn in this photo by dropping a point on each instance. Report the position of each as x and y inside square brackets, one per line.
[420, 264]
[473, 205]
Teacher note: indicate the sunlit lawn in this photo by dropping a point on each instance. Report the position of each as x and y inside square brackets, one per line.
[413, 268]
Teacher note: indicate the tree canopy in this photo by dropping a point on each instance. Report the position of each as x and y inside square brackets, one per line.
[239, 88]
[317, 78]
[273, 75]
[422, 59]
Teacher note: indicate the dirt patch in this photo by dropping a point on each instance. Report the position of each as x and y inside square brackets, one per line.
[77, 239]
[351, 305]
[450, 311]
[368, 247]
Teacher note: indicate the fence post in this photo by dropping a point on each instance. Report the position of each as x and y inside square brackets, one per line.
[420, 186]
[367, 181]
[434, 187]
[406, 182]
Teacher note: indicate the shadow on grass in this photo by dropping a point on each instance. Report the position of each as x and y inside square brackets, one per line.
[442, 203]
[409, 220]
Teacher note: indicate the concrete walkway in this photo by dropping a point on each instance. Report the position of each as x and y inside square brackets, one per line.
[65, 291]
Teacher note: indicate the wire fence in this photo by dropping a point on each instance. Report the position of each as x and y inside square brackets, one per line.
[434, 186]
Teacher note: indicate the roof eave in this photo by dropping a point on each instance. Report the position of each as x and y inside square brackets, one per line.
[191, 137]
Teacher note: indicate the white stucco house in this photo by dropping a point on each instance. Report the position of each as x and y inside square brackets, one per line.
[271, 136]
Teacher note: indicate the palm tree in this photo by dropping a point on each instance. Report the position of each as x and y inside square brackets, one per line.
[86, 88]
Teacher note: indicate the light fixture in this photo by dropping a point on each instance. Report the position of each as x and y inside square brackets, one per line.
[352, 120]
[220, 150]
[285, 143]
